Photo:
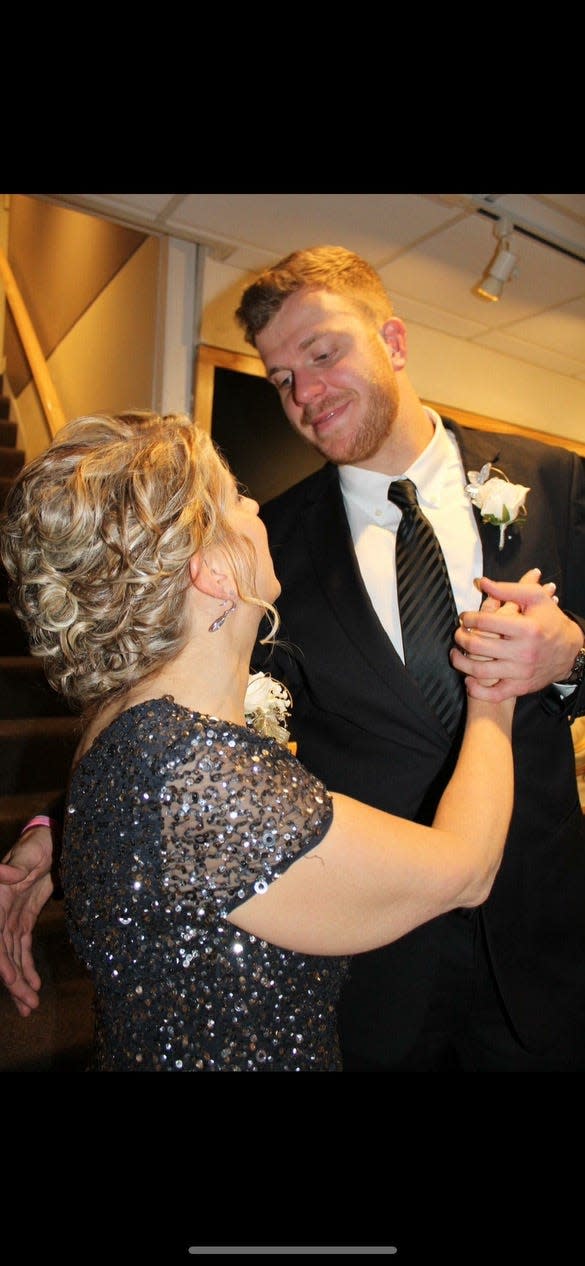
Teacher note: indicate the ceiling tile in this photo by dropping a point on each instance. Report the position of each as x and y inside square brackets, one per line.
[561, 329]
[436, 318]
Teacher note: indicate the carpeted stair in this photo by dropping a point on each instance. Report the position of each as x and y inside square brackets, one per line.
[38, 736]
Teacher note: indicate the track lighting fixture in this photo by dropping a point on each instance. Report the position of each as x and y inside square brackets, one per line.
[502, 266]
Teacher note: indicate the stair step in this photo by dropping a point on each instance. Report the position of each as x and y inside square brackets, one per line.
[25, 691]
[8, 432]
[36, 753]
[57, 1037]
[12, 635]
[11, 460]
[6, 482]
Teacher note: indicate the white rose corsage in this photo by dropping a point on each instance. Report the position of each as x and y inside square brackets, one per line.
[266, 706]
[498, 501]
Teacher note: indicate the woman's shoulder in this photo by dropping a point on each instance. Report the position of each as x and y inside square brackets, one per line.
[160, 729]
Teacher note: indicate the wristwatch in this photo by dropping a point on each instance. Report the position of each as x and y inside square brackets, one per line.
[577, 672]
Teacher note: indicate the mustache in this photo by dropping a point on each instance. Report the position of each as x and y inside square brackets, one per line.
[310, 412]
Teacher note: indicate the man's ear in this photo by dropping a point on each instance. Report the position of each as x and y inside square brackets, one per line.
[394, 335]
[207, 579]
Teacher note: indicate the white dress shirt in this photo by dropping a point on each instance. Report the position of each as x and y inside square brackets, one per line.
[440, 481]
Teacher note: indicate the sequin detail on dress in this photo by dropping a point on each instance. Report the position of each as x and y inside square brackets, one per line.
[174, 819]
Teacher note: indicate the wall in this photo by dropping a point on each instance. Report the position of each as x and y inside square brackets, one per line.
[4, 207]
[91, 289]
[442, 368]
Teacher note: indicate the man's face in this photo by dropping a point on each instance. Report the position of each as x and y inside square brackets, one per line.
[332, 368]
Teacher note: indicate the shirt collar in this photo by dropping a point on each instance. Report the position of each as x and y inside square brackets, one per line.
[429, 471]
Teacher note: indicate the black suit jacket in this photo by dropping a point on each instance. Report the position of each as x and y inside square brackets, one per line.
[363, 726]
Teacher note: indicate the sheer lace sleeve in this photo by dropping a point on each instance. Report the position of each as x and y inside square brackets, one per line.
[237, 811]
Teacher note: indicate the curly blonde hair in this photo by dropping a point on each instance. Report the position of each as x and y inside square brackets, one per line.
[96, 537]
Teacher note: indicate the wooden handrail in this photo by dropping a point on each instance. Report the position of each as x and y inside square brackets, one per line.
[38, 365]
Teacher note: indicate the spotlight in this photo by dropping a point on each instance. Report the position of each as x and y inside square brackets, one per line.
[502, 267]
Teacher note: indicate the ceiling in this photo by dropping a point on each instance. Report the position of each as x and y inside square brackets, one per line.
[430, 249]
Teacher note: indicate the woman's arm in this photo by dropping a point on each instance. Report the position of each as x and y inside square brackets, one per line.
[375, 876]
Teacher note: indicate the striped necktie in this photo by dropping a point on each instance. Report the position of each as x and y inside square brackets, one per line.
[428, 615]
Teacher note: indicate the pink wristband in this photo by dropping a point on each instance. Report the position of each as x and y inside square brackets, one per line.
[41, 819]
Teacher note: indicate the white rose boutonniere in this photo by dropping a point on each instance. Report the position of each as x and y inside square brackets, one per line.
[266, 706]
[498, 501]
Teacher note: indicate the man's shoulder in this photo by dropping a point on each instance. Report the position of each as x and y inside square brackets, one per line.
[508, 439]
[505, 446]
[303, 492]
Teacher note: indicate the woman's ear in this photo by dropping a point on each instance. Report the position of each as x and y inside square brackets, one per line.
[208, 579]
[194, 567]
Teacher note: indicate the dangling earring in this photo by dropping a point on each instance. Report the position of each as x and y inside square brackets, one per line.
[221, 619]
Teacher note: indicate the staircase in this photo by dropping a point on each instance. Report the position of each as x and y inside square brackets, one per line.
[38, 735]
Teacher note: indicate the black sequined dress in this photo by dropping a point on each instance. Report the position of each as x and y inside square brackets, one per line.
[174, 819]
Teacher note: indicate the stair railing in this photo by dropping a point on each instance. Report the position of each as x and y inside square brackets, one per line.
[38, 365]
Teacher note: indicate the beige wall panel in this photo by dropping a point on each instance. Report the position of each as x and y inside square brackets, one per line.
[61, 260]
[480, 380]
[106, 362]
[222, 290]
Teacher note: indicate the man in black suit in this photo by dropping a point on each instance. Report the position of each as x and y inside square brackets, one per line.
[501, 988]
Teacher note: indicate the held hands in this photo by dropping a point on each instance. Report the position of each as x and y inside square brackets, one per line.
[518, 642]
[25, 885]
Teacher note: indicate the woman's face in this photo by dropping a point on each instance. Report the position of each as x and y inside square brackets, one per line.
[243, 517]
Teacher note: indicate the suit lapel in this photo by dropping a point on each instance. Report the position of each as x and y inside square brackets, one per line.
[333, 556]
[477, 448]
[329, 544]
[338, 572]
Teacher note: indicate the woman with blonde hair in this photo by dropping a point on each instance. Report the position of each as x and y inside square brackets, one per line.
[213, 886]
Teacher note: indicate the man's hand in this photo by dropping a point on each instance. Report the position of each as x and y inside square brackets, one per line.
[521, 648]
[25, 886]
